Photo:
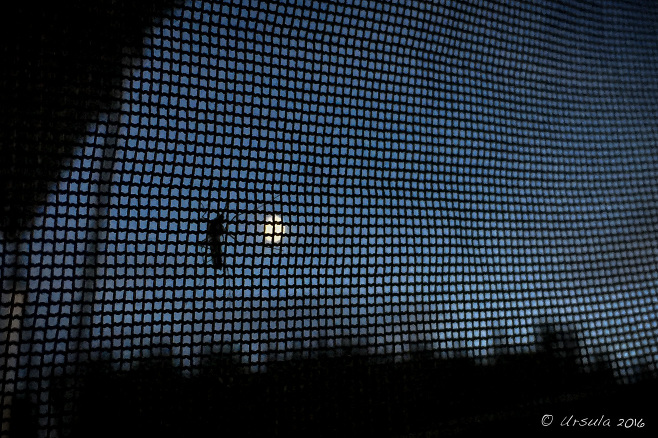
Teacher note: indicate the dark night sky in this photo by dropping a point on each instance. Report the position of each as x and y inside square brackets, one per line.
[448, 178]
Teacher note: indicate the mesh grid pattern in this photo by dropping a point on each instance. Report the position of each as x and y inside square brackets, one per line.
[279, 182]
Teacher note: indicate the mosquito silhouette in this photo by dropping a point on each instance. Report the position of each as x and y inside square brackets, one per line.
[219, 235]
[216, 235]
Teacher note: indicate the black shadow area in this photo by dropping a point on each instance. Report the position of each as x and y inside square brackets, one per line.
[348, 394]
[60, 64]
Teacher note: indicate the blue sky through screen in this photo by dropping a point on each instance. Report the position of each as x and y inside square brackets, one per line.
[449, 179]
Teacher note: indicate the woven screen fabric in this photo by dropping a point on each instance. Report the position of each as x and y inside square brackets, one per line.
[350, 218]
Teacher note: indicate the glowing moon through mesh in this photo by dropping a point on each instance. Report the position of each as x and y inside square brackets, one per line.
[274, 229]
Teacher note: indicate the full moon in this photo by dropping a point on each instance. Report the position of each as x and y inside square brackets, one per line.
[274, 229]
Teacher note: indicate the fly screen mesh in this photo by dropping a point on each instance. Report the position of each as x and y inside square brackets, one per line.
[282, 218]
